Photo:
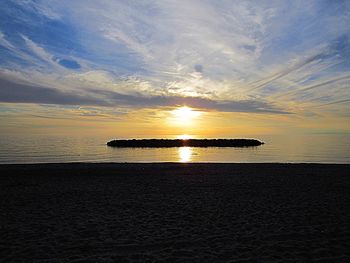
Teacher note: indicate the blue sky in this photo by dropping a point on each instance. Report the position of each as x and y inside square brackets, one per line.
[280, 57]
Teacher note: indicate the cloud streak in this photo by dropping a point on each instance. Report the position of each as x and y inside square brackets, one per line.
[12, 92]
[234, 56]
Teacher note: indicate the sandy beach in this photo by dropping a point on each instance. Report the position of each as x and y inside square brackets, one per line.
[175, 213]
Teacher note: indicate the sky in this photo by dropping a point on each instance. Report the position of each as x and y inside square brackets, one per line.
[210, 68]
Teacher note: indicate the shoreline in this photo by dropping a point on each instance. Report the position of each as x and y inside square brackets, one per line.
[97, 163]
[175, 212]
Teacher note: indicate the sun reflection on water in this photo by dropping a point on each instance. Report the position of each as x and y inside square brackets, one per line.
[185, 154]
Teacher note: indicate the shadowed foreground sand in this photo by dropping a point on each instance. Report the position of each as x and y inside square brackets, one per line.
[175, 213]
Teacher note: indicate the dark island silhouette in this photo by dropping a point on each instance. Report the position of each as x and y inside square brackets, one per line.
[164, 143]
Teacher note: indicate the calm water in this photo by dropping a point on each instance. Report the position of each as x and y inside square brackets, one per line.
[315, 148]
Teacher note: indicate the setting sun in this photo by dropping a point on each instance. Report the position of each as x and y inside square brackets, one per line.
[185, 115]
[184, 137]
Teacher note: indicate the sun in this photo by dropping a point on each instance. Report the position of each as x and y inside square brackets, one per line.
[184, 137]
[185, 115]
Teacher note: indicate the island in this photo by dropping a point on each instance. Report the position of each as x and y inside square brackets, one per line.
[164, 143]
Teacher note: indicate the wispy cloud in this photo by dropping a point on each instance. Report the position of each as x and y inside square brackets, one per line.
[231, 56]
[22, 92]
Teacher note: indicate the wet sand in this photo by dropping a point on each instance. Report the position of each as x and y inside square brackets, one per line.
[175, 213]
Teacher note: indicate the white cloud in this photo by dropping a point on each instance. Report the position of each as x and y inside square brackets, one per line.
[39, 51]
[246, 50]
[42, 8]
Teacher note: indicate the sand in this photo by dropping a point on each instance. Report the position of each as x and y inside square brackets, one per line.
[175, 213]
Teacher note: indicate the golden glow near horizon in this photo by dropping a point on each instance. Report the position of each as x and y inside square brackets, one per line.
[158, 123]
[185, 154]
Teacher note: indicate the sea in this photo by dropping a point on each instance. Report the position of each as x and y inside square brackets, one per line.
[314, 148]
